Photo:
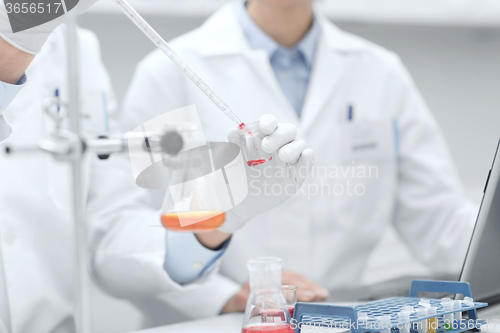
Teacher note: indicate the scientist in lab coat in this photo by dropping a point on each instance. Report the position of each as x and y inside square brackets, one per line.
[381, 158]
[129, 258]
[37, 291]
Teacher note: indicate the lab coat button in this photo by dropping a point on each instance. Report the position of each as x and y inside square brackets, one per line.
[197, 265]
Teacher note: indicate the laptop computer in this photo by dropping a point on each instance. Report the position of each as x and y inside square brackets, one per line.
[482, 263]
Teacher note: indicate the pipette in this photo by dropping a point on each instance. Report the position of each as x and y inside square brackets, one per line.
[170, 53]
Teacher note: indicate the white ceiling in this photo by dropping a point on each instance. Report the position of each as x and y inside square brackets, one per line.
[430, 12]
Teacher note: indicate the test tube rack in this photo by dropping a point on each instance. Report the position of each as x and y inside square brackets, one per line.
[323, 315]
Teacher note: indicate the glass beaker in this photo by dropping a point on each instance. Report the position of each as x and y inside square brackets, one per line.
[290, 294]
[197, 196]
[266, 309]
[251, 145]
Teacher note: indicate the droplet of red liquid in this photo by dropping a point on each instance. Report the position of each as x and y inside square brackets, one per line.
[257, 162]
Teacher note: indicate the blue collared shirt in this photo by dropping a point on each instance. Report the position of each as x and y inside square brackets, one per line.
[292, 66]
[7, 94]
[187, 260]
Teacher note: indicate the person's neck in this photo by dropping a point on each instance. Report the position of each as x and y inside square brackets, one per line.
[287, 25]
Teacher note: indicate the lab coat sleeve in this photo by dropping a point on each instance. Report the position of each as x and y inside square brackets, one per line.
[7, 93]
[128, 249]
[127, 241]
[150, 95]
[433, 215]
[127, 245]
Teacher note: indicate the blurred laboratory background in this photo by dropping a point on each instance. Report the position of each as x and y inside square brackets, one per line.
[451, 48]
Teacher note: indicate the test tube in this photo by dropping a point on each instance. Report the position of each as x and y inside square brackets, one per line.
[422, 325]
[385, 324]
[362, 318]
[448, 317]
[408, 308]
[432, 323]
[404, 327]
[457, 305]
[426, 303]
[469, 301]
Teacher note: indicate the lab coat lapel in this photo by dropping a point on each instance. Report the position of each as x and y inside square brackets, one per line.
[333, 62]
[259, 60]
[224, 36]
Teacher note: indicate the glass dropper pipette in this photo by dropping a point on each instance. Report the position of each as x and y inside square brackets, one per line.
[170, 53]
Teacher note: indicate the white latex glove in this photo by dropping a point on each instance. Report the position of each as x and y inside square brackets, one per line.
[290, 156]
[32, 40]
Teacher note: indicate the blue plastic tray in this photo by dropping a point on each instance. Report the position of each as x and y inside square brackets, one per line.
[392, 306]
[322, 315]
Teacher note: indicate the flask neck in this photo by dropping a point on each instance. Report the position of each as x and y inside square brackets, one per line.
[265, 275]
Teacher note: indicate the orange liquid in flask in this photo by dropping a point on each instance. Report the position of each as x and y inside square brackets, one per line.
[196, 220]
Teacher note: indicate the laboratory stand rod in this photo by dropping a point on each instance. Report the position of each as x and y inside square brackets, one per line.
[82, 316]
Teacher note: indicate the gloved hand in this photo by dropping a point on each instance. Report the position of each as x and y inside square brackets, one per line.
[31, 40]
[273, 182]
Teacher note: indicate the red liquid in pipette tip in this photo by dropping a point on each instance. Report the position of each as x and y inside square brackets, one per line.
[266, 329]
[290, 309]
[245, 128]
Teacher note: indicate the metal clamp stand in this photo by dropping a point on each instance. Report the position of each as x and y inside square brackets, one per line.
[82, 317]
[68, 145]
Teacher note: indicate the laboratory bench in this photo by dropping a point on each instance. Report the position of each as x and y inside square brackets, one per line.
[231, 323]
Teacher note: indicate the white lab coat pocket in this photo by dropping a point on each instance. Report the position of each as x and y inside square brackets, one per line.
[94, 113]
[369, 141]
[368, 172]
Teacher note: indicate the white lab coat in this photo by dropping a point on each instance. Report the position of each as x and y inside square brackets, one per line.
[36, 225]
[326, 237]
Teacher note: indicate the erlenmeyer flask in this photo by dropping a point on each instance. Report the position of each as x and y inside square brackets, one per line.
[266, 309]
[183, 209]
[198, 195]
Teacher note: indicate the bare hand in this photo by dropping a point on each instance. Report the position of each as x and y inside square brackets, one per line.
[238, 302]
[307, 291]
[13, 62]
[212, 239]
